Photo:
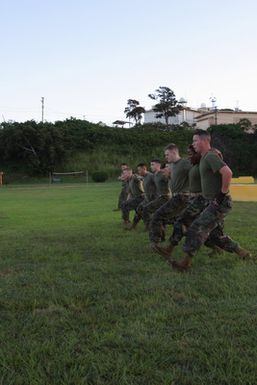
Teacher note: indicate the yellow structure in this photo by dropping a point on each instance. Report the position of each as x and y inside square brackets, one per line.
[243, 189]
[242, 180]
[244, 192]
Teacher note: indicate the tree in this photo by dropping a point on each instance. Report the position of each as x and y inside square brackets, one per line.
[245, 124]
[185, 125]
[167, 105]
[134, 110]
[36, 146]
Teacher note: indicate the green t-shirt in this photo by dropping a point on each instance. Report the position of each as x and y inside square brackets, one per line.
[179, 182]
[149, 186]
[162, 184]
[211, 179]
[194, 179]
[135, 186]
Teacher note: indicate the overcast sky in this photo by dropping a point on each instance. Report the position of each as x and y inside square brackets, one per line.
[87, 57]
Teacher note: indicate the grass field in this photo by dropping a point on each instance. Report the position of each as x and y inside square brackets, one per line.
[85, 302]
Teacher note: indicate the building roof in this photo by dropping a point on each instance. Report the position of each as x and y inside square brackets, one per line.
[183, 108]
[224, 112]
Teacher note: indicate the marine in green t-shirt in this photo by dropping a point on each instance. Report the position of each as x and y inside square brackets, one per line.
[180, 194]
[211, 179]
[135, 186]
[194, 178]
[135, 196]
[150, 193]
[215, 181]
[162, 192]
[124, 188]
[162, 184]
[179, 176]
[149, 186]
[195, 205]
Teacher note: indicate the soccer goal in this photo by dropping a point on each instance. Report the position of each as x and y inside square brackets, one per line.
[69, 177]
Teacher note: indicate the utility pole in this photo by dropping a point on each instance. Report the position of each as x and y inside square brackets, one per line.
[214, 108]
[43, 107]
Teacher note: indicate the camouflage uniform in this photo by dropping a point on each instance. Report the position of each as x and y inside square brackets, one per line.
[136, 193]
[179, 200]
[195, 206]
[215, 237]
[163, 195]
[218, 238]
[210, 221]
[164, 214]
[150, 195]
[123, 194]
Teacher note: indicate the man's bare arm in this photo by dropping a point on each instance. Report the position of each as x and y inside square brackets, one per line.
[226, 175]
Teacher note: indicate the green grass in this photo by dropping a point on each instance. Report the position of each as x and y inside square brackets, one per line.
[85, 302]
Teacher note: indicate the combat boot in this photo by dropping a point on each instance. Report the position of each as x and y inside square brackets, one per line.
[243, 253]
[165, 251]
[159, 250]
[126, 224]
[131, 226]
[169, 249]
[183, 265]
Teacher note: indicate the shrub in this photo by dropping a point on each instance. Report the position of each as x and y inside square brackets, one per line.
[99, 176]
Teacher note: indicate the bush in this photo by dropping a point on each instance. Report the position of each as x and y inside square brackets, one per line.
[99, 176]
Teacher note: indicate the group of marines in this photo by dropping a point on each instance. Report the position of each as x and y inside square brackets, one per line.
[190, 193]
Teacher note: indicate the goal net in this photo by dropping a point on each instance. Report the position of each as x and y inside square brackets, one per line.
[69, 177]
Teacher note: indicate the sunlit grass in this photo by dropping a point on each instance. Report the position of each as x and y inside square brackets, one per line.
[85, 302]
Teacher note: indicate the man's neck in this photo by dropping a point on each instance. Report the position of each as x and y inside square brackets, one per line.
[177, 159]
[207, 149]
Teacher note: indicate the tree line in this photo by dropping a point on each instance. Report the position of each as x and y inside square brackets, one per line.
[38, 148]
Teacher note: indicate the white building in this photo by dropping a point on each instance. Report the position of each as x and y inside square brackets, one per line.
[187, 115]
[204, 117]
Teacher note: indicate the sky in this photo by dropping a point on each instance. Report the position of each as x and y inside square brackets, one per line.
[88, 57]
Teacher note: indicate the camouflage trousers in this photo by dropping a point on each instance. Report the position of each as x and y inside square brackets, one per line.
[123, 195]
[194, 208]
[130, 204]
[223, 241]
[165, 214]
[208, 228]
[139, 212]
[152, 206]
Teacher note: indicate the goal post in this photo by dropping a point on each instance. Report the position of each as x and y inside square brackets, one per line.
[55, 177]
